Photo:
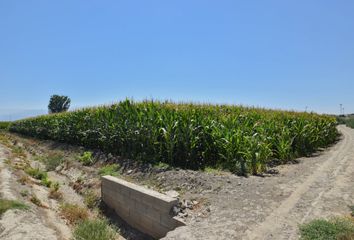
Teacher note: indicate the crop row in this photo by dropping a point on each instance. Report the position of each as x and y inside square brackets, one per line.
[4, 125]
[242, 140]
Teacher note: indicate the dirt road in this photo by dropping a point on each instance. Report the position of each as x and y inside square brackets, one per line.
[273, 207]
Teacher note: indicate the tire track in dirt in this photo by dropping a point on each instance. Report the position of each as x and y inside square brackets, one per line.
[281, 218]
[5, 177]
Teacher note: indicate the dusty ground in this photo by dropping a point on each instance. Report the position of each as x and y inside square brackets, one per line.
[225, 206]
[35, 223]
[45, 221]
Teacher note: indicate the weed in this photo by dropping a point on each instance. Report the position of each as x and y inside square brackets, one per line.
[20, 166]
[24, 193]
[162, 165]
[52, 161]
[96, 229]
[46, 182]
[86, 158]
[80, 179]
[211, 170]
[111, 169]
[18, 151]
[40, 175]
[36, 173]
[54, 192]
[337, 228]
[73, 213]
[352, 210]
[7, 161]
[91, 199]
[11, 204]
[4, 139]
[56, 186]
[39, 158]
[24, 179]
[35, 200]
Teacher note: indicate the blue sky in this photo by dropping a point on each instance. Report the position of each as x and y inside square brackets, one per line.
[275, 54]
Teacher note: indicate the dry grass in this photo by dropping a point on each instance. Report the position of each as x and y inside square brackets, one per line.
[73, 213]
[91, 199]
[11, 204]
[54, 194]
[35, 200]
[18, 151]
[24, 180]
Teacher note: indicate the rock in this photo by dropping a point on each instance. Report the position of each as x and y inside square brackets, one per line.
[195, 202]
[273, 171]
[176, 210]
[187, 204]
[129, 171]
[183, 215]
[172, 193]
[59, 168]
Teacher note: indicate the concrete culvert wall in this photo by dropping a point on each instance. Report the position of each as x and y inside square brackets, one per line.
[144, 209]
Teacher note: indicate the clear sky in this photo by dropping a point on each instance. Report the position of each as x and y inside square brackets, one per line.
[276, 54]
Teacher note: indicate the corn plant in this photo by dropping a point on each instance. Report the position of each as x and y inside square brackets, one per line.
[240, 139]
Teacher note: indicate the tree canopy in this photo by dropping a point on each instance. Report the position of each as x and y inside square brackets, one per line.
[58, 104]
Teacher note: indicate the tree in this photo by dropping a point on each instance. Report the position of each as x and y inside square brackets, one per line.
[58, 103]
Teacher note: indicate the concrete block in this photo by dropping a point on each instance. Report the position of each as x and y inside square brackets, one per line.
[142, 208]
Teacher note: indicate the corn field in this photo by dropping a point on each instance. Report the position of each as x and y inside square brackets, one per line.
[4, 125]
[242, 140]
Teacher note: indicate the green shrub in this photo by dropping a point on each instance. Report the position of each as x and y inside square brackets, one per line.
[94, 230]
[111, 169]
[86, 158]
[242, 140]
[350, 123]
[11, 204]
[347, 120]
[338, 228]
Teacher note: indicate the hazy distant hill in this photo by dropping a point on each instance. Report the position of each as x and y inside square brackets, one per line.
[15, 114]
